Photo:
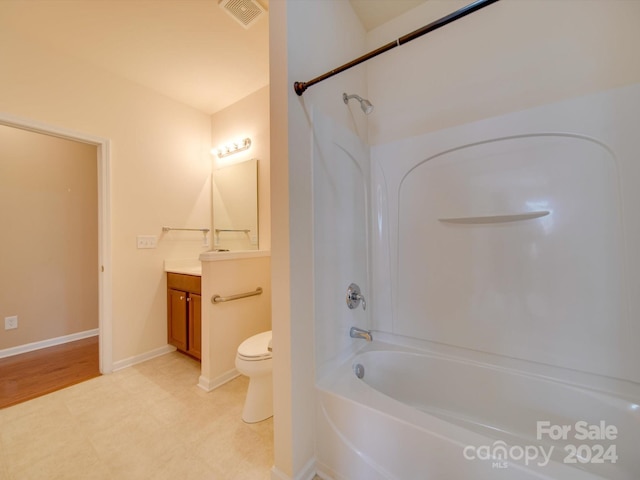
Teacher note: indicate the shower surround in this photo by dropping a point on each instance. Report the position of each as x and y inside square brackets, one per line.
[504, 249]
[491, 63]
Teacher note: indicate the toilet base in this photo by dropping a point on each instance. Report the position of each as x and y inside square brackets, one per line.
[258, 405]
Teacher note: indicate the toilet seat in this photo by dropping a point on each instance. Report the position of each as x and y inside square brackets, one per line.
[256, 348]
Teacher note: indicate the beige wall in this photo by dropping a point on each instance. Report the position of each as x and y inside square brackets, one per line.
[307, 38]
[160, 170]
[280, 261]
[226, 325]
[249, 118]
[49, 241]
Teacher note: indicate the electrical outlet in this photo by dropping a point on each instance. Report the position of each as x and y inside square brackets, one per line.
[11, 322]
[147, 241]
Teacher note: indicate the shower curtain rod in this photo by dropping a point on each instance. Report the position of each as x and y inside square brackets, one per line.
[300, 87]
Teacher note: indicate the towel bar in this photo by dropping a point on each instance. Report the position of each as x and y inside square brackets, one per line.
[218, 299]
[203, 230]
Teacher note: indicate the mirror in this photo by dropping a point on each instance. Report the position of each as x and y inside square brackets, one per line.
[235, 206]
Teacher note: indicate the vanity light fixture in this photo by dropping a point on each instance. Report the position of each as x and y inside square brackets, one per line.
[233, 147]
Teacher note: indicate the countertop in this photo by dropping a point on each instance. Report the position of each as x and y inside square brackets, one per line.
[193, 266]
[214, 256]
[184, 266]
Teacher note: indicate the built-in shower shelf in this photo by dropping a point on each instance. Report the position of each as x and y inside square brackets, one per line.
[496, 218]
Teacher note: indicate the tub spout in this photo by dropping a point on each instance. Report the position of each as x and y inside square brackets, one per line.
[359, 333]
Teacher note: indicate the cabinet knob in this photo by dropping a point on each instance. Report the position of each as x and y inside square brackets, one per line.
[189, 299]
[181, 297]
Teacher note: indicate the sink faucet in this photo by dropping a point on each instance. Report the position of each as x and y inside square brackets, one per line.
[356, 332]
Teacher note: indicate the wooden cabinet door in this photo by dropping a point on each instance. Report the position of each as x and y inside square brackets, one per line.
[195, 325]
[177, 321]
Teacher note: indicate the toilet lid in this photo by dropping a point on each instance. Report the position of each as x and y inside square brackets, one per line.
[256, 347]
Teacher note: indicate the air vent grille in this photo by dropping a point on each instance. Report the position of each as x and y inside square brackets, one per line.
[245, 12]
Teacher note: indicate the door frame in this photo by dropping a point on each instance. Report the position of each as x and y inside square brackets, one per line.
[105, 306]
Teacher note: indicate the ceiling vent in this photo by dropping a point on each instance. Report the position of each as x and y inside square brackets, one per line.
[245, 12]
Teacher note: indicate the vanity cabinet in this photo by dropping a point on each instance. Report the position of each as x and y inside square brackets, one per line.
[184, 317]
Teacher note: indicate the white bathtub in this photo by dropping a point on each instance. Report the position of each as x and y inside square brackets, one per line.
[420, 415]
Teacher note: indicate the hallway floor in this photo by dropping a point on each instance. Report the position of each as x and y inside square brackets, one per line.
[149, 421]
[33, 374]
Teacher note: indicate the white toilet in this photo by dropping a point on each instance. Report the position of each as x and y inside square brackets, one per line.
[254, 360]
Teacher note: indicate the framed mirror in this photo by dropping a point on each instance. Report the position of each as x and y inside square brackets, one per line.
[235, 206]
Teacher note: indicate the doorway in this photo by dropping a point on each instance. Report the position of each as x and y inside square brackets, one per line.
[100, 263]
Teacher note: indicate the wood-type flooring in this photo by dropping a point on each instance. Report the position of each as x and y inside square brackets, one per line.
[33, 374]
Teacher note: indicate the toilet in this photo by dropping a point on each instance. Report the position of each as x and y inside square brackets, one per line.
[254, 360]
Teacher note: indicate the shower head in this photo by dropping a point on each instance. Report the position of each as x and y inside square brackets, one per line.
[365, 104]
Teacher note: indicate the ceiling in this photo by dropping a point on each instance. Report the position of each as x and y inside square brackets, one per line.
[189, 50]
[373, 13]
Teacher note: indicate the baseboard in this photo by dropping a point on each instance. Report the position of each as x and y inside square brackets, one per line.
[277, 474]
[211, 384]
[308, 472]
[326, 473]
[52, 342]
[128, 362]
[324, 476]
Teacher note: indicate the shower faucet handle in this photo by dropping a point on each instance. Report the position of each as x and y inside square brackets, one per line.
[354, 297]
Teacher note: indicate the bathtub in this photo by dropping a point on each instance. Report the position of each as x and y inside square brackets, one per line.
[418, 415]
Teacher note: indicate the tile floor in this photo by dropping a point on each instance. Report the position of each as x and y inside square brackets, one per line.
[149, 421]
